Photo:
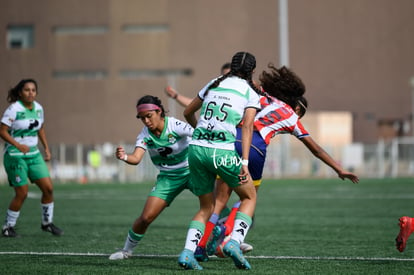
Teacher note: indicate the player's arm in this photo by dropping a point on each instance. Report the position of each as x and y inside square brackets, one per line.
[134, 158]
[321, 154]
[182, 100]
[4, 134]
[247, 132]
[191, 109]
[42, 137]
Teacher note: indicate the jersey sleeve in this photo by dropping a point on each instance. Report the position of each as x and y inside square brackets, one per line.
[202, 92]
[9, 116]
[299, 131]
[140, 142]
[254, 100]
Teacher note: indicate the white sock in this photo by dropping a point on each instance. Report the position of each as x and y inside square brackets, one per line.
[194, 235]
[47, 213]
[132, 241]
[241, 227]
[11, 218]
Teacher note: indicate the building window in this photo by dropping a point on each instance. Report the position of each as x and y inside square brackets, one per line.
[130, 28]
[20, 36]
[81, 74]
[80, 30]
[134, 74]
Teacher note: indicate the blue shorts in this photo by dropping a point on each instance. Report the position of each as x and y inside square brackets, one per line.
[257, 155]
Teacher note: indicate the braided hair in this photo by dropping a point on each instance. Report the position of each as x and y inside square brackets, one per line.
[242, 65]
[14, 93]
[282, 84]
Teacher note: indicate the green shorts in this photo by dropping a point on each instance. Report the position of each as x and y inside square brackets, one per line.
[22, 169]
[206, 163]
[169, 186]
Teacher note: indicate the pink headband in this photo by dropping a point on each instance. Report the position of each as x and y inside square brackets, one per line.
[147, 107]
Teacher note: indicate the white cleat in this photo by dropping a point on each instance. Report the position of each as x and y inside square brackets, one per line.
[120, 255]
[245, 247]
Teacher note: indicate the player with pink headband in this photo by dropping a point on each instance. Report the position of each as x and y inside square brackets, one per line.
[166, 140]
[147, 107]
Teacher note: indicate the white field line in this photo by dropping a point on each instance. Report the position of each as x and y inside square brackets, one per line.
[311, 258]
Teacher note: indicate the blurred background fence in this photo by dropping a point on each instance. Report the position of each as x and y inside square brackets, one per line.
[286, 158]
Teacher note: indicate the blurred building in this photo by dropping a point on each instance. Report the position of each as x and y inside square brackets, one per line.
[93, 59]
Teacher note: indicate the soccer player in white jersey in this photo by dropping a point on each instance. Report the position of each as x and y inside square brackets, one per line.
[224, 103]
[276, 117]
[22, 125]
[166, 140]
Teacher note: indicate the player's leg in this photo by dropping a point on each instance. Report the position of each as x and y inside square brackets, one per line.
[153, 207]
[202, 184]
[247, 196]
[196, 231]
[47, 206]
[38, 172]
[16, 170]
[13, 212]
[242, 224]
[222, 195]
[168, 187]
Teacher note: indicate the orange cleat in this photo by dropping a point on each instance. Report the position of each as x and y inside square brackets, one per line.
[406, 228]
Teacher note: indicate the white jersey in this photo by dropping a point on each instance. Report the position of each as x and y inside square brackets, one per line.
[24, 125]
[222, 110]
[169, 151]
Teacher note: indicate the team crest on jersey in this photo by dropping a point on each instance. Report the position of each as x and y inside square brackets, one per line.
[20, 115]
[171, 138]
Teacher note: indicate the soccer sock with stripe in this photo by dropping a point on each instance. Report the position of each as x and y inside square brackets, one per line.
[194, 234]
[241, 227]
[132, 241]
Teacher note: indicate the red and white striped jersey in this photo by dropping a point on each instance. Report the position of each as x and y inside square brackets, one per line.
[277, 117]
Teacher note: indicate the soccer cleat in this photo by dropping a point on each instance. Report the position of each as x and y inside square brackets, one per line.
[218, 237]
[406, 228]
[187, 260]
[246, 248]
[9, 231]
[200, 254]
[50, 227]
[232, 249]
[120, 255]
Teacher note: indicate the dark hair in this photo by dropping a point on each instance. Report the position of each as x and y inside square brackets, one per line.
[151, 100]
[302, 103]
[282, 84]
[242, 65]
[13, 94]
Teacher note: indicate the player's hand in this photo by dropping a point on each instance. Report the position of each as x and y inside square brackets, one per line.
[120, 152]
[23, 148]
[244, 174]
[348, 175]
[48, 155]
[171, 92]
